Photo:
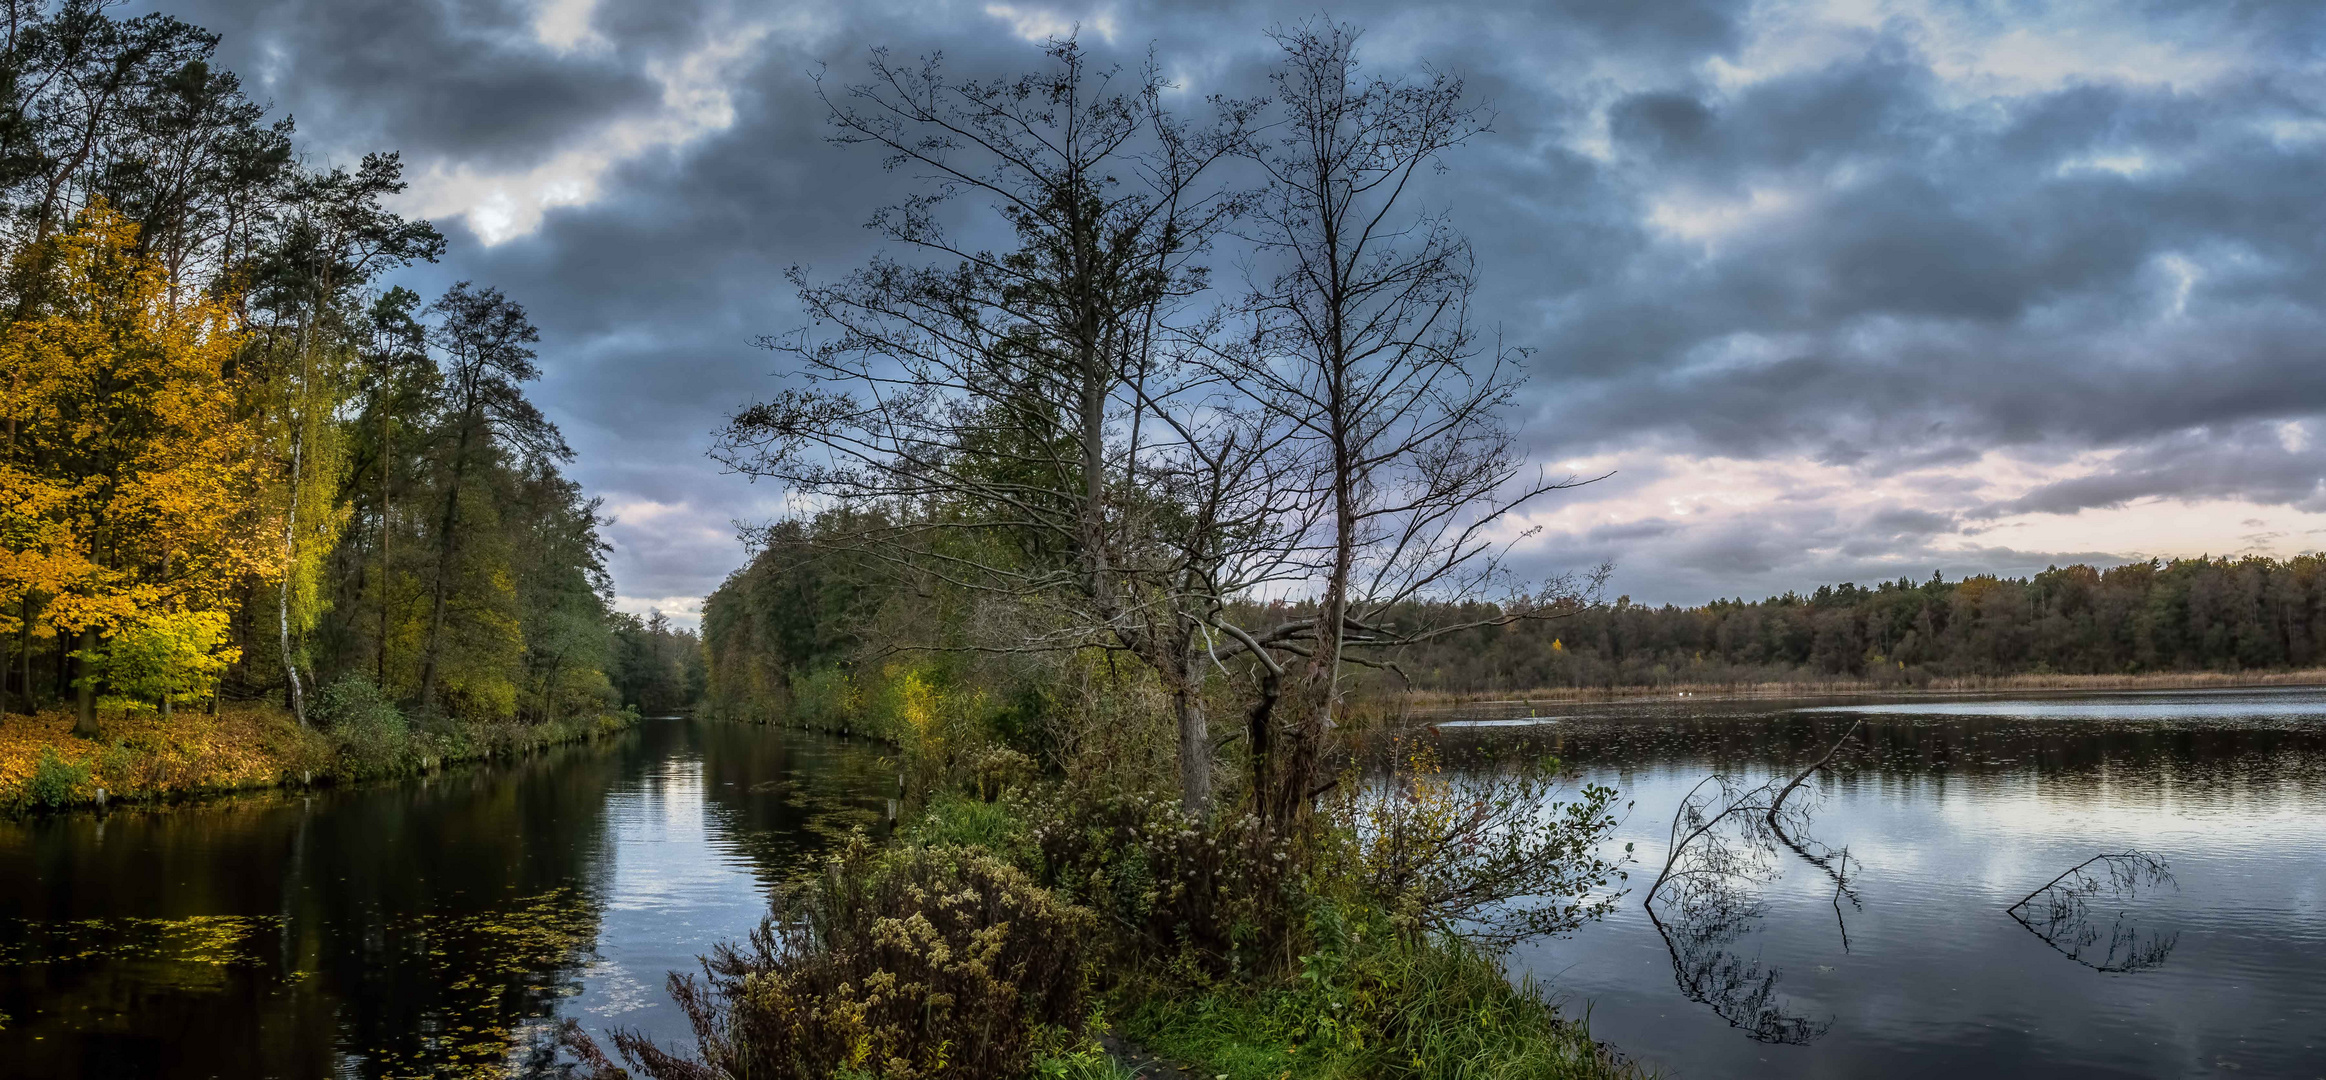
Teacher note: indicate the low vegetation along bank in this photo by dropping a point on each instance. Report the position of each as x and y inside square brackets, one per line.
[151, 758]
[1018, 920]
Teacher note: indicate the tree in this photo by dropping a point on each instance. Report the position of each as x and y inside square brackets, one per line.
[1358, 312]
[990, 415]
[127, 469]
[487, 344]
[333, 238]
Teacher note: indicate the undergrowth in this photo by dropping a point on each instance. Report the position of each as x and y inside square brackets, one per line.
[1000, 931]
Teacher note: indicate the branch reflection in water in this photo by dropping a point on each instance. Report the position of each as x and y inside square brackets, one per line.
[2060, 912]
[1726, 839]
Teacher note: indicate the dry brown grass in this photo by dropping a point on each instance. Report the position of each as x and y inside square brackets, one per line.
[142, 757]
[1961, 684]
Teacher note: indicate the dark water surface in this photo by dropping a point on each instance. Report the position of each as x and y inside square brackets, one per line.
[423, 928]
[441, 927]
[1950, 811]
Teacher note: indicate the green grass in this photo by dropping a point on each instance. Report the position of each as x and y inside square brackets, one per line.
[953, 819]
[1372, 1003]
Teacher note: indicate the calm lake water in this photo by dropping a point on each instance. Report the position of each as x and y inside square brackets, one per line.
[425, 928]
[1952, 810]
[407, 929]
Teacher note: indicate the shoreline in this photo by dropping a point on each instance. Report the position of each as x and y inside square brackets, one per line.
[143, 762]
[1428, 701]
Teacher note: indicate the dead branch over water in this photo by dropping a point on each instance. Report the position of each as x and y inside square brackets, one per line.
[2060, 912]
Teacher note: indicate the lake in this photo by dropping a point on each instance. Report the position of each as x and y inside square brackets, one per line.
[1951, 810]
[415, 928]
[431, 926]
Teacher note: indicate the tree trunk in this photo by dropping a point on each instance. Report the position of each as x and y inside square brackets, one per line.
[386, 434]
[1194, 747]
[444, 548]
[85, 724]
[24, 641]
[283, 594]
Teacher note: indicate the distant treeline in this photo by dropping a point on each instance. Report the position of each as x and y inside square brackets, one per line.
[2184, 615]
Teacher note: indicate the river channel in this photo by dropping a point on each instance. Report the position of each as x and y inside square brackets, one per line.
[436, 927]
[444, 926]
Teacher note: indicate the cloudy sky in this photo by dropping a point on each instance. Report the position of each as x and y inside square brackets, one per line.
[1837, 290]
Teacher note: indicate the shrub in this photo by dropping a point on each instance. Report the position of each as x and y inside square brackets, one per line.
[54, 780]
[916, 964]
[162, 655]
[374, 738]
[1492, 851]
[1208, 898]
[956, 820]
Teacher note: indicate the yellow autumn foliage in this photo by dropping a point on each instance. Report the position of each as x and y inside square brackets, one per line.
[126, 475]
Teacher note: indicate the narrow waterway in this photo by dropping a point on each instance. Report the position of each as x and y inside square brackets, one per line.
[432, 927]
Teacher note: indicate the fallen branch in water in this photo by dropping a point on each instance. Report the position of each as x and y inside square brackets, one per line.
[1779, 804]
[2064, 920]
[1767, 800]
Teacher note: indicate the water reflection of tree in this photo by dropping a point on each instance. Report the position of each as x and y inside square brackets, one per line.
[1740, 991]
[1726, 839]
[2061, 912]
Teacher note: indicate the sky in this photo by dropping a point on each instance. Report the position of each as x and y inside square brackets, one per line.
[1833, 291]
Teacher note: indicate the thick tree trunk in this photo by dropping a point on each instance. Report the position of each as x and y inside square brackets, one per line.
[85, 724]
[1260, 741]
[1194, 748]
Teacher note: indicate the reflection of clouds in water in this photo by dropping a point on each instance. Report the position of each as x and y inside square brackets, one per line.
[693, 845]
[1947, 819]
[617, 990]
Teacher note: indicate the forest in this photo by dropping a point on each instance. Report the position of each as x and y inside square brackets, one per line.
[2183, 615]
[779, 627]
[239, 465]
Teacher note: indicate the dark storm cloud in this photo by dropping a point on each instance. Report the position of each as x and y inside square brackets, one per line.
[1854, 258]
[466, 79]
[1978, 275]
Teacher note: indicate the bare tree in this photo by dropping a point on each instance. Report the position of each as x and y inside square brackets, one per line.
[1079, 432]
[1018, 419]
[1360, 334]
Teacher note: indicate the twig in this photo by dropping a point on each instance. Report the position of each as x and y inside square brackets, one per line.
[1779, 802]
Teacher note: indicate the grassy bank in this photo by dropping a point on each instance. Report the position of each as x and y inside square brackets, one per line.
[1816, 687]
[141, 757]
